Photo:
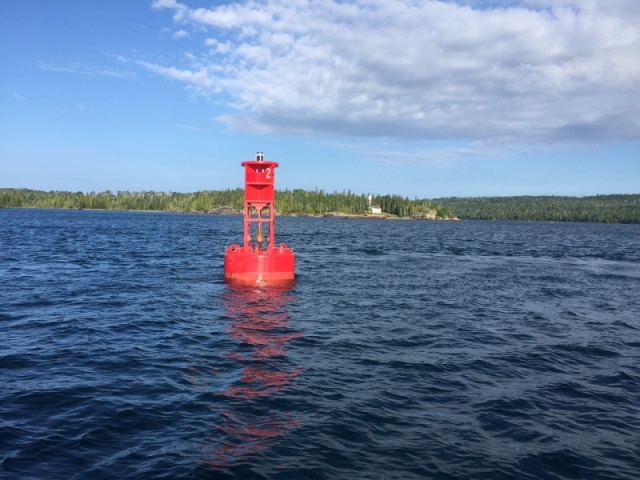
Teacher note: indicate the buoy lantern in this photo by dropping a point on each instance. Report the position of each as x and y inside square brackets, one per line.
[259, 260]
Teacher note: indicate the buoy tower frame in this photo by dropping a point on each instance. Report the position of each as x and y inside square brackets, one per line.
[259, 260]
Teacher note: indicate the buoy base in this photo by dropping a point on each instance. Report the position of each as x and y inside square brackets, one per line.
[250, 265]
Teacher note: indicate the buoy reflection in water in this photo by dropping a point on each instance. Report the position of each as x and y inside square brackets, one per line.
[248, 421]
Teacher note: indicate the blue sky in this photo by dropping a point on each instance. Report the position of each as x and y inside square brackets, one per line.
[418, 98]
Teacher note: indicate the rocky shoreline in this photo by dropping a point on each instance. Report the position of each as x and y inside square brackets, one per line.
[340, 215]
[374, 216]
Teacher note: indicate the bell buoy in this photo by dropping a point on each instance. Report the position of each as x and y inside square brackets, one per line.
[259, 260]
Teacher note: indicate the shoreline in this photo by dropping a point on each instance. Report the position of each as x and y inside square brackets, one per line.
[231, 211]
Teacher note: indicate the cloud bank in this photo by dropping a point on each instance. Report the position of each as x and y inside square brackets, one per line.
[520, 72]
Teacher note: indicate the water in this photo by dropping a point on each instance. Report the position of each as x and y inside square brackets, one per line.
[446, 350]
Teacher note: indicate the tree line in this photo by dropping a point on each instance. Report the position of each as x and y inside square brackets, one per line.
[594, 209]
[288, 202]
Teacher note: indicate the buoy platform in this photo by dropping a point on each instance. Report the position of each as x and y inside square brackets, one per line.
[259, 260]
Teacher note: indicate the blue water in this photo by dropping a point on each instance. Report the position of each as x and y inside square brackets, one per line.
[405, 349]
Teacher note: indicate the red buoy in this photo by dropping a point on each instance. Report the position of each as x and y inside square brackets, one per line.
[259, 260]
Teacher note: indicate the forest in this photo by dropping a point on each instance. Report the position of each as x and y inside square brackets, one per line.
[594, 209]
[288, 202]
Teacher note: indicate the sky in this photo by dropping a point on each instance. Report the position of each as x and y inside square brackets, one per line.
[419, 98]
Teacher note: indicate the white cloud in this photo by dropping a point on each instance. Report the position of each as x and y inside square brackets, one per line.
[199, 78]
[180, 34]
[527, 71]
[77, 68]
[180, 9]
[50, 67]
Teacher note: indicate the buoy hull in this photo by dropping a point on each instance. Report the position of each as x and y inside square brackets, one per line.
[244, 265]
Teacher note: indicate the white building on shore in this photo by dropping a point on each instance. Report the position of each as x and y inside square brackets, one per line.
[373, 209]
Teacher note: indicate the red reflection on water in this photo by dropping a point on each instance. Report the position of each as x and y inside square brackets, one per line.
[247, 423]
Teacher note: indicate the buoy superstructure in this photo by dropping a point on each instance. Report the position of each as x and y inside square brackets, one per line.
[258, 259]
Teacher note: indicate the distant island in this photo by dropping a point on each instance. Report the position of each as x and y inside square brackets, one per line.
[594, 209]
[288, 202]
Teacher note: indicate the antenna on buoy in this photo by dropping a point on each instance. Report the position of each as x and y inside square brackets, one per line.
[253, 262]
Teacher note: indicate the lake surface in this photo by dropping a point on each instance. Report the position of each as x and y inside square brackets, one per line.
[405, 350]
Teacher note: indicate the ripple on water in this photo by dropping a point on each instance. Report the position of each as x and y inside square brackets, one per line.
[404, 350]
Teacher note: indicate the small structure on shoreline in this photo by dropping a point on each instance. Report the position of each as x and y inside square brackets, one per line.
[373, 209]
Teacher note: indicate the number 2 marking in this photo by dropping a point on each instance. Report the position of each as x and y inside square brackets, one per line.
[268, 173]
